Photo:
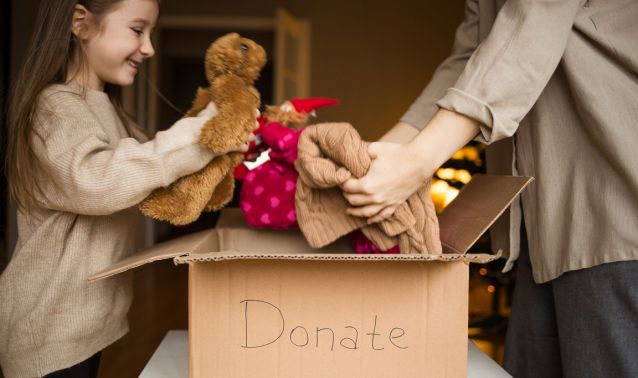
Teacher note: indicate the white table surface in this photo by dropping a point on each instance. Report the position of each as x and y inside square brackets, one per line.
[170, 360]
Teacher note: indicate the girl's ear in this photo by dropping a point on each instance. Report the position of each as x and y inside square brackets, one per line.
[81, 22]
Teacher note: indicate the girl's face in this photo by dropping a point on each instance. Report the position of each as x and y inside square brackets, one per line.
[120, 43]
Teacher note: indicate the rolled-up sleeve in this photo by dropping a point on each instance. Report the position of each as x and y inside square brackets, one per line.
[507, 73]
[466, 40]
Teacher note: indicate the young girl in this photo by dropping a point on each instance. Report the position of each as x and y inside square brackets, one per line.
[77, 169]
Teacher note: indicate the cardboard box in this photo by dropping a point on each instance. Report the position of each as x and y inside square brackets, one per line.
[263, 304]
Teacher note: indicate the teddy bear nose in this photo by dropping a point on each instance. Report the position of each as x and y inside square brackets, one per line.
[243, 46]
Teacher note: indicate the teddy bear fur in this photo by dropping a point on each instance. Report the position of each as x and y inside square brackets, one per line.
[232, 66]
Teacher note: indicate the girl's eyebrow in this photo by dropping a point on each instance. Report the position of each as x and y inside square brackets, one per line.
[142, 20]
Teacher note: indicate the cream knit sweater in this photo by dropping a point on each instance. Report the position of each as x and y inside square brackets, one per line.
[51, 317]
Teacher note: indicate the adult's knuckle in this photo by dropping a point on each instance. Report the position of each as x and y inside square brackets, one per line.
[377, 198]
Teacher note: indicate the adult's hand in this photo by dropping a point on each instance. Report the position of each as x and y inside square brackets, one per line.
[397, 171]
[394, 175]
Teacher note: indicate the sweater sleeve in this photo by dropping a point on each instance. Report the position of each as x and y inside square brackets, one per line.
[87, 171]
[466, 40]
[508, 71]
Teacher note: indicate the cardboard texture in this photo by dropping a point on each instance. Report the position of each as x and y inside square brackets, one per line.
[264, 304]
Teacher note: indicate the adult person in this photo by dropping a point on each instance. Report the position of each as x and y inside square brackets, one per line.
[561, 76]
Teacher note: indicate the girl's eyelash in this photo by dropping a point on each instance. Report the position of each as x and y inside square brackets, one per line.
[137, 31]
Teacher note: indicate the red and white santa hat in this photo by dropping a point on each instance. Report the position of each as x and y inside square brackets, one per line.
[309, 105]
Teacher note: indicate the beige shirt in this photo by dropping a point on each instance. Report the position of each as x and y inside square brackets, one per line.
[563, 76]
[51, 317]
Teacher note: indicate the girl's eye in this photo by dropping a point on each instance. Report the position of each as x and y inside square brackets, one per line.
[137, 31]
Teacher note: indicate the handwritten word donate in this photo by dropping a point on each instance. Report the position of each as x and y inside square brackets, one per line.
[260, 333]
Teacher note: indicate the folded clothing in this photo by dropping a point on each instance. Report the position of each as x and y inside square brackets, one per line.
[328, 155]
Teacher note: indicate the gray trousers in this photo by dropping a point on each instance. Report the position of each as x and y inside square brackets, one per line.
[581, 324]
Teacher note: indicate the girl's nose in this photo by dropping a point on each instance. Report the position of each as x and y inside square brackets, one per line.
[147, 48]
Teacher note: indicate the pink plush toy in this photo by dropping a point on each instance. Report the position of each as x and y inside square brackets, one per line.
[361, 244]
[267, 198]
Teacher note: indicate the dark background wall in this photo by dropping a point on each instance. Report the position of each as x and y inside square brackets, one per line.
[17, 23]
[375, 56]
[5, 16]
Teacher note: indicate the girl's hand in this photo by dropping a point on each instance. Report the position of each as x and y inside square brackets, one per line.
[394, 175]
[211, 110]
[192, 126]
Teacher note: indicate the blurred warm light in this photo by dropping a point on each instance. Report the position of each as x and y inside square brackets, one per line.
[459, 155]
[471, 153]
[491, 288]
[450, 196]
[450, 174]
[446, 173]
[483, 271]
[442, 194]
[463, 176]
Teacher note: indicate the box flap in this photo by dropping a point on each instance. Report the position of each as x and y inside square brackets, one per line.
[162, 251]
[476, 208]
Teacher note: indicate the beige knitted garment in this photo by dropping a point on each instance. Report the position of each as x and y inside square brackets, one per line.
[51, 317]
[331, 153]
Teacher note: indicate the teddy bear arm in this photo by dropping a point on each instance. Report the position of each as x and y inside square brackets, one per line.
[230, 128]
[181, 202]
[222, 195]
[224, 191]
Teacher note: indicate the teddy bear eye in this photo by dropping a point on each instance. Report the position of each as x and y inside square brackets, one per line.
[243, 46]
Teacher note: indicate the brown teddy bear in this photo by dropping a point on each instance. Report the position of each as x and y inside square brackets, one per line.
[233, 63]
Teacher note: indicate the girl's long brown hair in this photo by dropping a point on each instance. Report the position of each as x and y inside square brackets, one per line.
[52, 49]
